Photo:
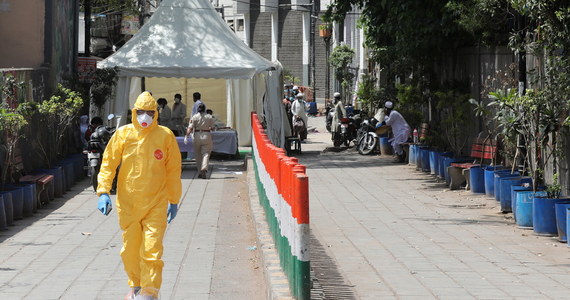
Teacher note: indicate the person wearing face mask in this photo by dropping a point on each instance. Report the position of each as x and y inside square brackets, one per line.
[164, 114]
[148, 192]
[178, 115]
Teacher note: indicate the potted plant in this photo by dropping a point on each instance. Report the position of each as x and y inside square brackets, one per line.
[325, 30]
[13, 110]
[58, 113]
[547, 210]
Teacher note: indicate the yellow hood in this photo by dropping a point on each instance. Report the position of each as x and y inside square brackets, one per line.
[145, 101]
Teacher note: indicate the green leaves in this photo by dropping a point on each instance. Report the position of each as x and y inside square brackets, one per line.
[63, 104]
[341, 59]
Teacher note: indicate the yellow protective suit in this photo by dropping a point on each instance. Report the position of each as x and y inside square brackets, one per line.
[149, 179]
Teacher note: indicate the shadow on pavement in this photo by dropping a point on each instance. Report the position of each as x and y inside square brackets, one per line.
[327, 281]
[48, 210]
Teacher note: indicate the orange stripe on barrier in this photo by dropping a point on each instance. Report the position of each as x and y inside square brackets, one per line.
[301, 212]
[289, 176]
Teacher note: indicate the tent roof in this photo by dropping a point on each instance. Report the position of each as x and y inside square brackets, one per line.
[186, 38]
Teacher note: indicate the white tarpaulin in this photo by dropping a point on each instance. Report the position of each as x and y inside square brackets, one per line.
[188, 39]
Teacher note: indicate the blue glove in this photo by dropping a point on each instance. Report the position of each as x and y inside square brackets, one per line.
[104, 204]
[172, 210]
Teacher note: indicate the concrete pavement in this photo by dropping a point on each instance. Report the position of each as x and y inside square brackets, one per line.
[386, 231]
[69, 250]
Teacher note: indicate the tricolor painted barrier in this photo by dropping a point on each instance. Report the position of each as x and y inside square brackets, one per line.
[283, 189]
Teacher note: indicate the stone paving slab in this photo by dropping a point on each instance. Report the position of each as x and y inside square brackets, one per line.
[68, 250]
[396, 233]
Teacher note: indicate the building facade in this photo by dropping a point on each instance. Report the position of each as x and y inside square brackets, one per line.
[39, 37]
[282, 30]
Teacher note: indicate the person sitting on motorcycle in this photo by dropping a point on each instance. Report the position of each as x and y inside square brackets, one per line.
[349, 109]
[400, 129]
[298, 111]
[338, 113]
[95, 122]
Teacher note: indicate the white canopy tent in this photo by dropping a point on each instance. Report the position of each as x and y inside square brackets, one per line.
[187, 39]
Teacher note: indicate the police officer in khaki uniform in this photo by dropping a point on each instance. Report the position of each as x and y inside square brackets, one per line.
[201, 125]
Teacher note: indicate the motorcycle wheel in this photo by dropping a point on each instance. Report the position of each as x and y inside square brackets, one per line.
[94, 174]
[346, 141]
[328, 127]
[367, 144]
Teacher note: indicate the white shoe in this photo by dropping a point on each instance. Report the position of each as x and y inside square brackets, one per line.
[147, 294]
[133, 293]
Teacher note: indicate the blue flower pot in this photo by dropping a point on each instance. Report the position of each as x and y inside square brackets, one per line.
[496, 179]
[544, 215]
[425, 160]
[489, 180]
[524, 207]
[3, 221]
[560, 208]
[506, 192]
[8, 207]
[477, 179]
[514, 190]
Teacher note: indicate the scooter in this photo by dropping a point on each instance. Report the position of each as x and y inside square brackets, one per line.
[95, 149]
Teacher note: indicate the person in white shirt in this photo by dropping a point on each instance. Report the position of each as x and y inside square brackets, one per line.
[197, 101]
[298, 111]
[400, 129]
[339, 113]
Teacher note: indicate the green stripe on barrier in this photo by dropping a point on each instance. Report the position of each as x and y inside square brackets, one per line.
[297, 271]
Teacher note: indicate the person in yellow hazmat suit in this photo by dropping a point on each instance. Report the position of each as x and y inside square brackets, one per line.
[148, 191]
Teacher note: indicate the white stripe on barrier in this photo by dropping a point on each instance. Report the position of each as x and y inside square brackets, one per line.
[296, 234]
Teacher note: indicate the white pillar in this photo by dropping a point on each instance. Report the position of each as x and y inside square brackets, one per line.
[306, 47]
[363, 63]
[246, 29]
[274, 36]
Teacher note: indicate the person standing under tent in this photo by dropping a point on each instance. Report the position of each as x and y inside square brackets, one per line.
[197, 101]
[178, 115]
[164, 114]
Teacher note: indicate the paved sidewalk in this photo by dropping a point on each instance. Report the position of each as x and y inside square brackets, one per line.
[69, 250]
[386, 231]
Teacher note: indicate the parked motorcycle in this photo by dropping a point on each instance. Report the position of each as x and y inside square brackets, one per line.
[329, 114]
[367, 139]
[95, 149]
[348, 131]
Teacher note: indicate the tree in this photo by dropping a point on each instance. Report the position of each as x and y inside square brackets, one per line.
[58, 114]
[404, 35]
[341, 59]
[12, 121]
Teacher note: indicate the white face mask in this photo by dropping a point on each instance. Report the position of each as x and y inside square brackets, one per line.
[145, 120]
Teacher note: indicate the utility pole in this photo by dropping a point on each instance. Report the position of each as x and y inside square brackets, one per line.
[87, 53]
[143, 9]
[87, 19]
[327, 74]
[312, 42]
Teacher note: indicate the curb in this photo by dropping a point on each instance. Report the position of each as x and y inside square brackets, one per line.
[276, 280]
